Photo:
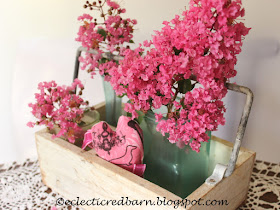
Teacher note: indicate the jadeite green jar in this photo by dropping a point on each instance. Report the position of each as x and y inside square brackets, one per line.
[169, 166]
[113, 104]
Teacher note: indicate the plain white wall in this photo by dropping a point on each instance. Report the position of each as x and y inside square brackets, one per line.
[258, 69]
[37, 44]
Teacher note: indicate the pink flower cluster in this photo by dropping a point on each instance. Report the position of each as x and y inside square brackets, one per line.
[109, 35]
[59, 106]
[185, 67]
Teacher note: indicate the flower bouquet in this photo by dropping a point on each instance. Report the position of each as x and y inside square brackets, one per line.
[184, 68]
[104, 38]
[62, 111]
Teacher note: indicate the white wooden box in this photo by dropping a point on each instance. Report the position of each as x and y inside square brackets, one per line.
[73, 172]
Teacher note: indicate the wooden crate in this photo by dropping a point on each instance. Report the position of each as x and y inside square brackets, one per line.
[73, 172]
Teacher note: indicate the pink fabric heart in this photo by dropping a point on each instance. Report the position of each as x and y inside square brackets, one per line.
[123, 147]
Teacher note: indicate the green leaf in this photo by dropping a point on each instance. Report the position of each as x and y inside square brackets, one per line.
[121, 95]
[140, 117]
[102, 32]
[131, 41]
[158, 68]
[183, 104]
[159, 94]
[125, 86]
[184, 85]
[176, 51]
[128, 114]
[103, 60]
[81, 124]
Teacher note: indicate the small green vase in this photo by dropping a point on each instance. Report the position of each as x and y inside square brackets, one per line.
[113, 106]
[170, 167]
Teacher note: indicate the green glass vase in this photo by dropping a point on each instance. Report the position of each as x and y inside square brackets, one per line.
[180, 171]
[113, 106]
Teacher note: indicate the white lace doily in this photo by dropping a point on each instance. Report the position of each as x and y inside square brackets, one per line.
[21, 187]
[264, 190]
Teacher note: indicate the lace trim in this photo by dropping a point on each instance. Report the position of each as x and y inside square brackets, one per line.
[21, 187]
[264, 190]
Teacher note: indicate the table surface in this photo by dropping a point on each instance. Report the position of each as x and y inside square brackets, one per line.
[21, 187]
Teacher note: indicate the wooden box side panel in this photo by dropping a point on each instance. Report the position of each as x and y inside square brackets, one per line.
[73, 172]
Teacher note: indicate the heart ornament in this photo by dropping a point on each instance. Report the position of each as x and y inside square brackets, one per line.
[123, 147]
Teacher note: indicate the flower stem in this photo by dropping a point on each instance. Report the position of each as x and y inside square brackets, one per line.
[173, 99]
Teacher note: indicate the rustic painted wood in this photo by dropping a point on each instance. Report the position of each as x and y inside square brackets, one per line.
[73, 173]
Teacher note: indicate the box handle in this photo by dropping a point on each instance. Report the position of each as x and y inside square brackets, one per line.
[242, 124]
[221, 170]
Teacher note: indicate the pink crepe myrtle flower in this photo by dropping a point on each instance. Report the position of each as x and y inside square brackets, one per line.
[113, 34]
[185, 67]
[59, 106]
[113, 4]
